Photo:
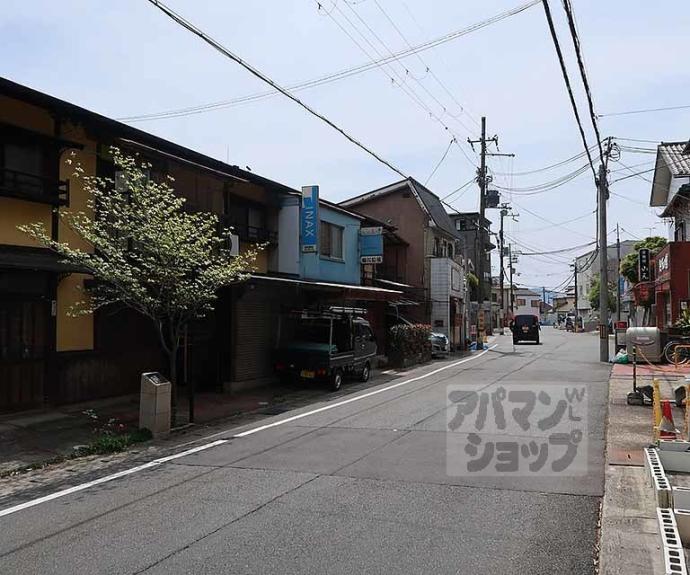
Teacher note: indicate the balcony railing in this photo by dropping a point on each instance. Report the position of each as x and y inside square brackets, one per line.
[25, 186]
[250, 233]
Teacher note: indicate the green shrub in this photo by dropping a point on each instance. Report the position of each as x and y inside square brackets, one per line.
[411, 340]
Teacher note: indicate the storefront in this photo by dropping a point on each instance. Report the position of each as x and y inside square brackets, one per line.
[672, 283]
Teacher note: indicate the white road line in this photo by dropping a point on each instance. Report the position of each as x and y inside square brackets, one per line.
[156, 462]
[107, 478]
[359, 397]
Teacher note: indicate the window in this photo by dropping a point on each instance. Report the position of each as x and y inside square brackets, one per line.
[331, 240]
[494, 297]
[535, 303]
[680, 231]
[520, 301]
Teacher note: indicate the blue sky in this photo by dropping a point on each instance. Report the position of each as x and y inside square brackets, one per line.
[125, 58]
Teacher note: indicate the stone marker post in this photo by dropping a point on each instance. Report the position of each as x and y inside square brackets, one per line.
[154, 404]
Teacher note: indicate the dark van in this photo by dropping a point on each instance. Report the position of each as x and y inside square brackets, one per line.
[525, 328]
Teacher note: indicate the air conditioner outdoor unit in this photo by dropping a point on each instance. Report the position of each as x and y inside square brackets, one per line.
[234, 244]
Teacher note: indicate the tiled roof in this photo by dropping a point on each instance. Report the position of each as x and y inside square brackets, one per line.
[435, 208]
[677, 162]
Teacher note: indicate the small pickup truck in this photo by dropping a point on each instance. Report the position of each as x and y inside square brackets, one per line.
[324, 346]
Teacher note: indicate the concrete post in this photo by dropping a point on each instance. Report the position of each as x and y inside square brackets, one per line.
[154, 404]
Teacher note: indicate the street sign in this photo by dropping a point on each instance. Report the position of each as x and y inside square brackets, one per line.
[371, 259]
[371, 245]
[309, 219]
[643, 267]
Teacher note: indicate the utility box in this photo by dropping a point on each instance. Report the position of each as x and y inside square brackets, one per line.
[620, 331]
[647, 340]
[154, 403]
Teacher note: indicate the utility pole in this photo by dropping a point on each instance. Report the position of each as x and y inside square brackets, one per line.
[510, 261]
[618, 275]
[603, 193]
[504, 213]
[576, 314]
[483, 181]
[543, 297]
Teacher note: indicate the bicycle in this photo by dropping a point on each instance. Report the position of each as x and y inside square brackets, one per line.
[683, 353]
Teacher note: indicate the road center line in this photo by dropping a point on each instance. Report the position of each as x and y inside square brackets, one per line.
[161, 460]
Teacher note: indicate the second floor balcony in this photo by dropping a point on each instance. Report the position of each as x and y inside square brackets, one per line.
[32, 187]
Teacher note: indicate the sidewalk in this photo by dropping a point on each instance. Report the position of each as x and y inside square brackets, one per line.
[34, 438]
[629, 539]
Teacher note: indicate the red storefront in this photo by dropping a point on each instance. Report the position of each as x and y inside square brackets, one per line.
[672, 282]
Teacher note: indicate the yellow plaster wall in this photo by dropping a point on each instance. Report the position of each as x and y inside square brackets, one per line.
[26, 116]
[73, 333]
[14, 212]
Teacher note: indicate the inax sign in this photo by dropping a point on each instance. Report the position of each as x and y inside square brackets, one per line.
[309, 219]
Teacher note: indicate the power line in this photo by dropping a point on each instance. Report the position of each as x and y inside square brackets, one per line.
[536, 215]
[456, 190]
[332, 77]
[564, 72]
[582, 217]
[423, 62]
[643, 111]
[263, 77]
[583, 72]
[443, 157]
[546, 168]
[546, 186]
[560, 251]
[633, 175]
[406, 89]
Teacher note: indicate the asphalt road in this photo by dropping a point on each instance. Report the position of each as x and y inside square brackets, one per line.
[359, 487]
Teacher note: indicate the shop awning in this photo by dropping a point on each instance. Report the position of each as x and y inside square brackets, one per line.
[393, 284]
[34, 259]
[345, 291]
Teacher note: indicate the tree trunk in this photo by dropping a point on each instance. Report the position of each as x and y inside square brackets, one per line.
[172, 359]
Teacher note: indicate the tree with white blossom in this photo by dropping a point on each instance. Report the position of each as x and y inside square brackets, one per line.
[148, 253]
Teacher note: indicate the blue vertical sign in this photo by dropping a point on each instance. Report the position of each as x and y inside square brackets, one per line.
[309, 219]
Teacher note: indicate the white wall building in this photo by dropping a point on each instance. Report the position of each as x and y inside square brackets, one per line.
[447, 291]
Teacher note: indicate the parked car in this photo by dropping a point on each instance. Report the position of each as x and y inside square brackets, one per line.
[525, 328]
[324, 346]
[440, 346]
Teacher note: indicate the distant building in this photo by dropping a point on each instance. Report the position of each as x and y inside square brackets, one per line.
[434, 267]
[588, 270]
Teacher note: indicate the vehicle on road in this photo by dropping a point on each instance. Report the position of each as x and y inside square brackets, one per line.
[324, 346]
[525, 328]
[440, 346]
